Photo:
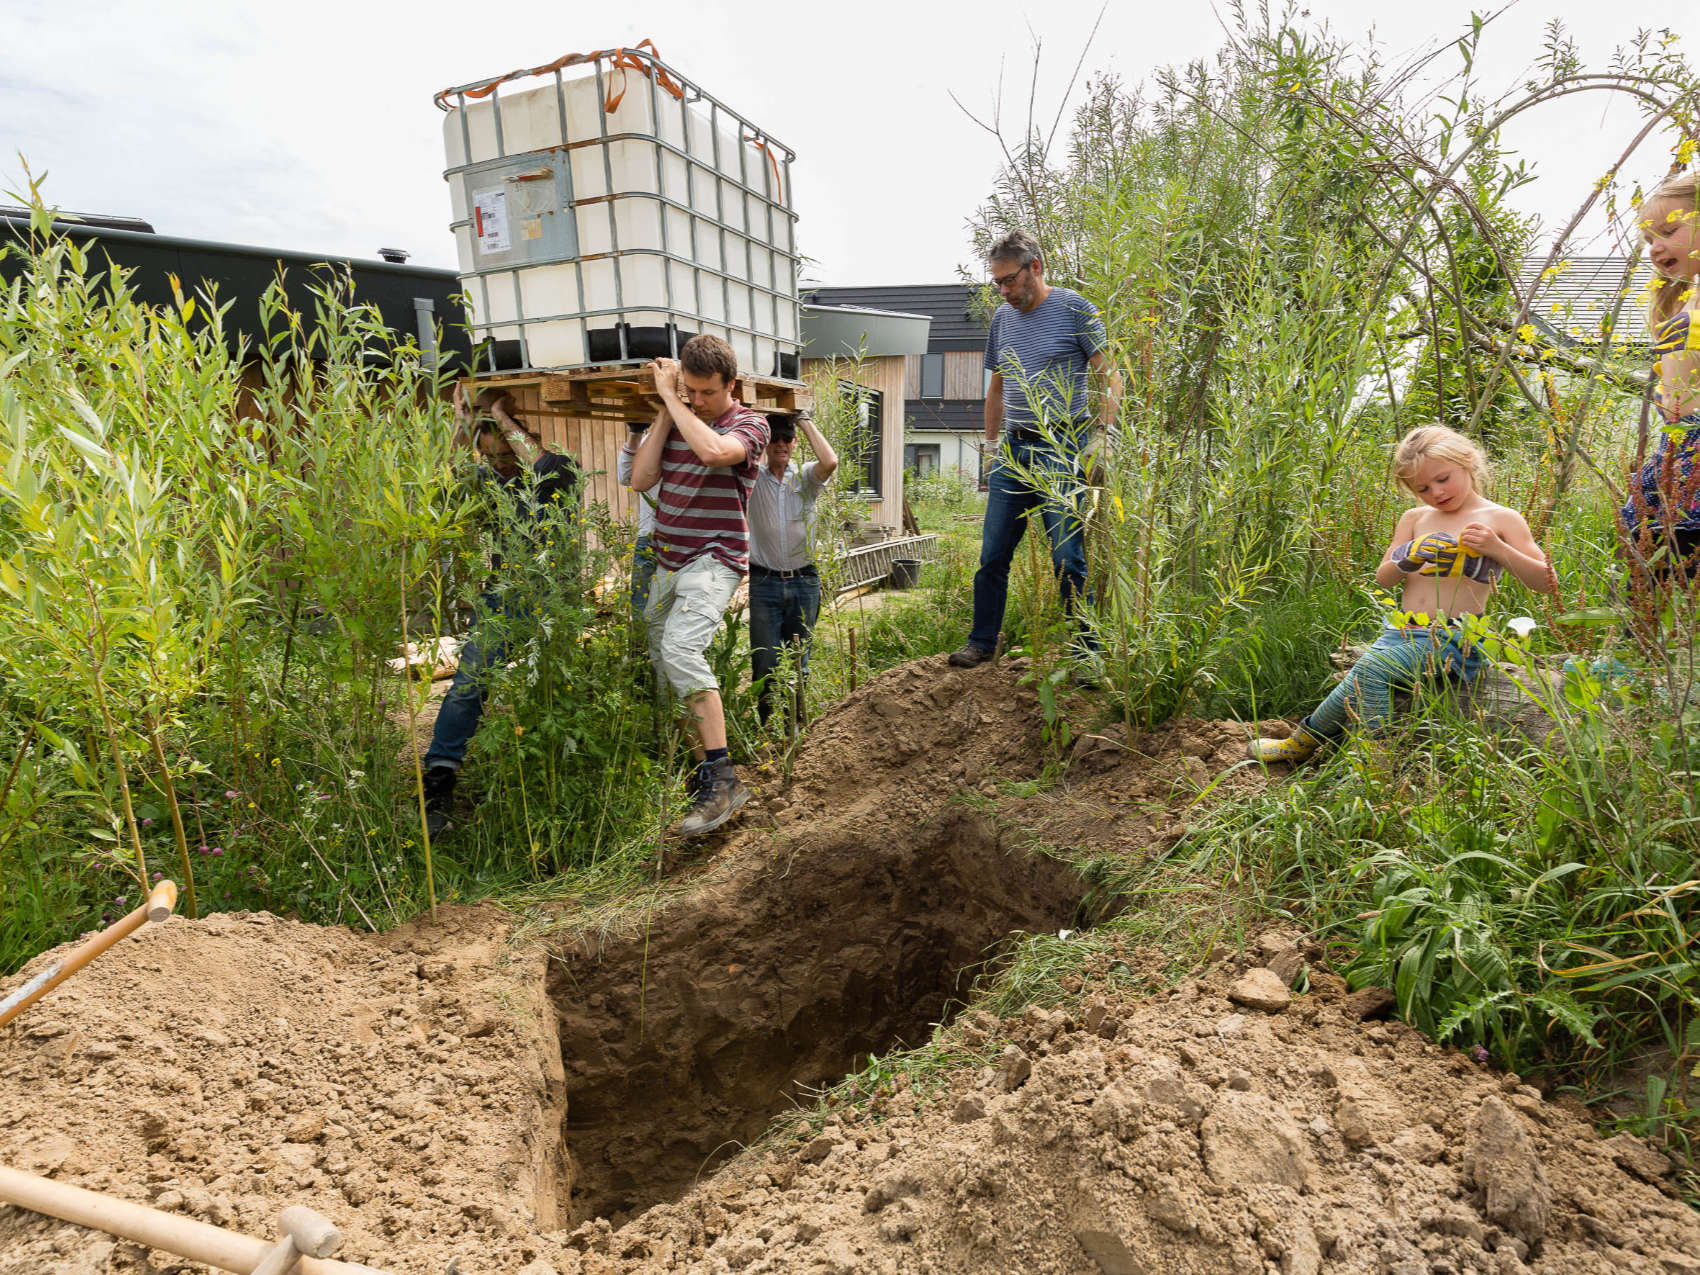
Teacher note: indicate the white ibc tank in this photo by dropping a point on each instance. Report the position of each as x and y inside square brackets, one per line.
[613, 211]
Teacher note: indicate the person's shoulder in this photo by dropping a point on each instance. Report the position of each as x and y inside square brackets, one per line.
[1504, 515]
[551, 462]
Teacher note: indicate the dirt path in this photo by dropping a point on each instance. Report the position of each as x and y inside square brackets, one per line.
[575, 1103]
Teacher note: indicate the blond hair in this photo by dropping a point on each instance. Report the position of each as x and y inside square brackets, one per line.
[1438, 442]
[1665, 295]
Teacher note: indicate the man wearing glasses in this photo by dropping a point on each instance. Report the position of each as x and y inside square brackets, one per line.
[1044, 342]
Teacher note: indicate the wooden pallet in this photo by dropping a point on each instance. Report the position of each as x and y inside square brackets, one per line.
[628, 393]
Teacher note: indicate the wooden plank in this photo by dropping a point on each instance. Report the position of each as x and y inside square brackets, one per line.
[964, 375]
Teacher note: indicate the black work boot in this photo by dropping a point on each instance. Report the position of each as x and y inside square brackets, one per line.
[439, 795]
[970, 656]
[719, 793]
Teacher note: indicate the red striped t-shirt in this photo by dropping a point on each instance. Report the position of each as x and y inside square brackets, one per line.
[700, 509]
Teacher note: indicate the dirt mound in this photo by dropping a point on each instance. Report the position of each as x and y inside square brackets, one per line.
[914, 736]
[1185, 1135]
[226, 1067]
[575, 1103]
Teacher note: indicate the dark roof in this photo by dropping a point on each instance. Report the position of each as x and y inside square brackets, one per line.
[944, 414]
[947, 304]
[1586, 290]
[241, 274]
[103, 221]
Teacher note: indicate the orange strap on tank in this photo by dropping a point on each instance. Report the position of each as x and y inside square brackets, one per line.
[624, 59]
[760, 143]
[626, 62]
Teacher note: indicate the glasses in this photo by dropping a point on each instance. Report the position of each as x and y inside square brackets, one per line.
[1004, 280]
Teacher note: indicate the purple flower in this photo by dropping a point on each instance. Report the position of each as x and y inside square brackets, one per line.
[159, 876]
[203, 849]
[106, 918]
[121, 900]
[147, 823]
[230, 794]
[216, 851]
[1479, 1054]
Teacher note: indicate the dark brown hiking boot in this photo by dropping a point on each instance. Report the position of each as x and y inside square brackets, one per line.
[439, 784]
[715, 801]
[970, 656]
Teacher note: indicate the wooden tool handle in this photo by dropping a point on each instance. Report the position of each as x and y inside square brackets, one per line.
[280, 1260]
[314, 1233]
[197, 1241]
[159, 905]
[162, 901]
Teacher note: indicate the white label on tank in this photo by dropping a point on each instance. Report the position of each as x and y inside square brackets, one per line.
[490, 220]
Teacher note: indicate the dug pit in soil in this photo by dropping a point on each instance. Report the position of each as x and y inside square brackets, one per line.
[682, 1042]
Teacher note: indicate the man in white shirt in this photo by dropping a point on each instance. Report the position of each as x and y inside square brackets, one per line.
[643, 554]
[784, 585]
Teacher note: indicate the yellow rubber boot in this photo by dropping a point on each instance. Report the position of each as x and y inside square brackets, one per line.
[1295, 748]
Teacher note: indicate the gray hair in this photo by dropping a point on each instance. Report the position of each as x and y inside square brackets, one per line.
[1017, 246]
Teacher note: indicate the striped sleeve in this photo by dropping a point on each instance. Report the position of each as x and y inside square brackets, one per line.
[1677, 334]
[1090, 332]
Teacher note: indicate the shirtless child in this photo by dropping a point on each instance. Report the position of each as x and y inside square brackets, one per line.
[1448, 552]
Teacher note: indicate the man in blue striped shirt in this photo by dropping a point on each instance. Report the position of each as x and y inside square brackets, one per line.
[1044, 346]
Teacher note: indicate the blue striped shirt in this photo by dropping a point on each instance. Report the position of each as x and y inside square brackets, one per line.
[1043, 355]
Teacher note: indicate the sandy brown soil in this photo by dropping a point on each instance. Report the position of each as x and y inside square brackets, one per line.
[574, 1103]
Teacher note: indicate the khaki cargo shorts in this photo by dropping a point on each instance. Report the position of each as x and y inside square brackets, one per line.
[685, 608]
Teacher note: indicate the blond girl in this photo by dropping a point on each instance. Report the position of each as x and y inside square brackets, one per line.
[1447, 554]
[1663, 509]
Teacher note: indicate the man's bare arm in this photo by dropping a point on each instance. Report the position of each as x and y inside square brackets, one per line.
[1111, 376]
[826, 460]
[463, 435]
[526, 445]
[712, 449]
[994, 407]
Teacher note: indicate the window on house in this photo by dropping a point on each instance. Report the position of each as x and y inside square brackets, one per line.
[932, 376]
[921, 459]
[867, 443]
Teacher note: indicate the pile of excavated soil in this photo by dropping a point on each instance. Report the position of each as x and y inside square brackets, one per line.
[576, 1103]
[1185, 1134]
[227, 1067]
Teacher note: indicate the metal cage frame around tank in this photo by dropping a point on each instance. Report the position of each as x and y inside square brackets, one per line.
[754, 141]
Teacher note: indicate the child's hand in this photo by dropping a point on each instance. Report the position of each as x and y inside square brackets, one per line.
[1482, 539]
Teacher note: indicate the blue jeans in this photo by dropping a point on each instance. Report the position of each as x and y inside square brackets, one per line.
[1013, 496]
[463, 705]
[1399, 659]
[781, 611]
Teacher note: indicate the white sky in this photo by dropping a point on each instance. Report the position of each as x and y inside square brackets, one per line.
[309, 125]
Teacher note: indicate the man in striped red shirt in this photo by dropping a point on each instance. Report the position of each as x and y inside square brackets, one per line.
[701, 457]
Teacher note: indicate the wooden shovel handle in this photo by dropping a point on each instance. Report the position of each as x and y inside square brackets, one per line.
[161, 901]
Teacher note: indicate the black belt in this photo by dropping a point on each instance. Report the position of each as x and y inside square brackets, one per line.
[756, 569]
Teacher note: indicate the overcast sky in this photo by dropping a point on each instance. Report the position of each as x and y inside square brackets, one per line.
[309, 125]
